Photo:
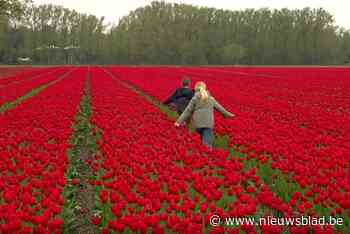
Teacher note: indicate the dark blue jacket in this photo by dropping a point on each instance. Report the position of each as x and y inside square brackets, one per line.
[181, 97]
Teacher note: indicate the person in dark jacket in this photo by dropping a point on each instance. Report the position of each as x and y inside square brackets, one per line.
[181, 97]
[201, 108]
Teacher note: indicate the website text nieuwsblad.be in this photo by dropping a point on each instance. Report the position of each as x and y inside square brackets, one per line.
[215, 220]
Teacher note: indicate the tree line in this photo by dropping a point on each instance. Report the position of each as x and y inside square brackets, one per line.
[165, 33]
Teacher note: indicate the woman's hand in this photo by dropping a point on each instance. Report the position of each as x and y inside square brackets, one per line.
[177, 124]
[230, 116]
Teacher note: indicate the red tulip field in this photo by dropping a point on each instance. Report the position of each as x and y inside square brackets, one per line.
[11, 71]
[91, 149]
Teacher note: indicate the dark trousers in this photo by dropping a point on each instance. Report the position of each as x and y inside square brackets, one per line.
[207, 136]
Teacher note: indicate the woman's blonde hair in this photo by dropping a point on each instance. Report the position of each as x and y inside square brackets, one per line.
[201, 87]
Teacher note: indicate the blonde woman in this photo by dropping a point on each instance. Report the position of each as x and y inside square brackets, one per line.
[201, 108]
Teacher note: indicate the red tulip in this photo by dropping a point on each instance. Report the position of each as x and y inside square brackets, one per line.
[95, 220]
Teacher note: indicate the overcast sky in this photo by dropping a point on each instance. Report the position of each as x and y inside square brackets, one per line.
[115, 9]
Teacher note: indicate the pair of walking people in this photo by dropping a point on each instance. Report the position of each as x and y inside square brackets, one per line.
[199, 105]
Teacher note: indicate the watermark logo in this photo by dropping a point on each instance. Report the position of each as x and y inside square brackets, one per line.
[215, 220]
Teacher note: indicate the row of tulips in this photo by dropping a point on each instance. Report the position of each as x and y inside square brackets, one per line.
[9, 71]
[153, 176]
[33, 144]
[13, 91]
[20, 74]
[287, 72]
[301, 122]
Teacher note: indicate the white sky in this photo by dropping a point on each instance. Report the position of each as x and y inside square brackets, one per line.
[115, 9]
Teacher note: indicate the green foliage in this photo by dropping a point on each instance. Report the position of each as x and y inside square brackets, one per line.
[82, 139]
[12, 8]
[51, 34]
[69, 193]
[9, 105]
[184, 34]
[222, 142]
[165, 33]
[233, 53]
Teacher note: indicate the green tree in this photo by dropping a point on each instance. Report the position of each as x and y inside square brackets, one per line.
[165, 33]
[12, 8]
[233, 53]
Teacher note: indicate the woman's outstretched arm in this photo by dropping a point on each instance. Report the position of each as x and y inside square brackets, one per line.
[221, 109]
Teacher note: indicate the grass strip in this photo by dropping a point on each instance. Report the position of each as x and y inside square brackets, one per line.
[79, 194]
